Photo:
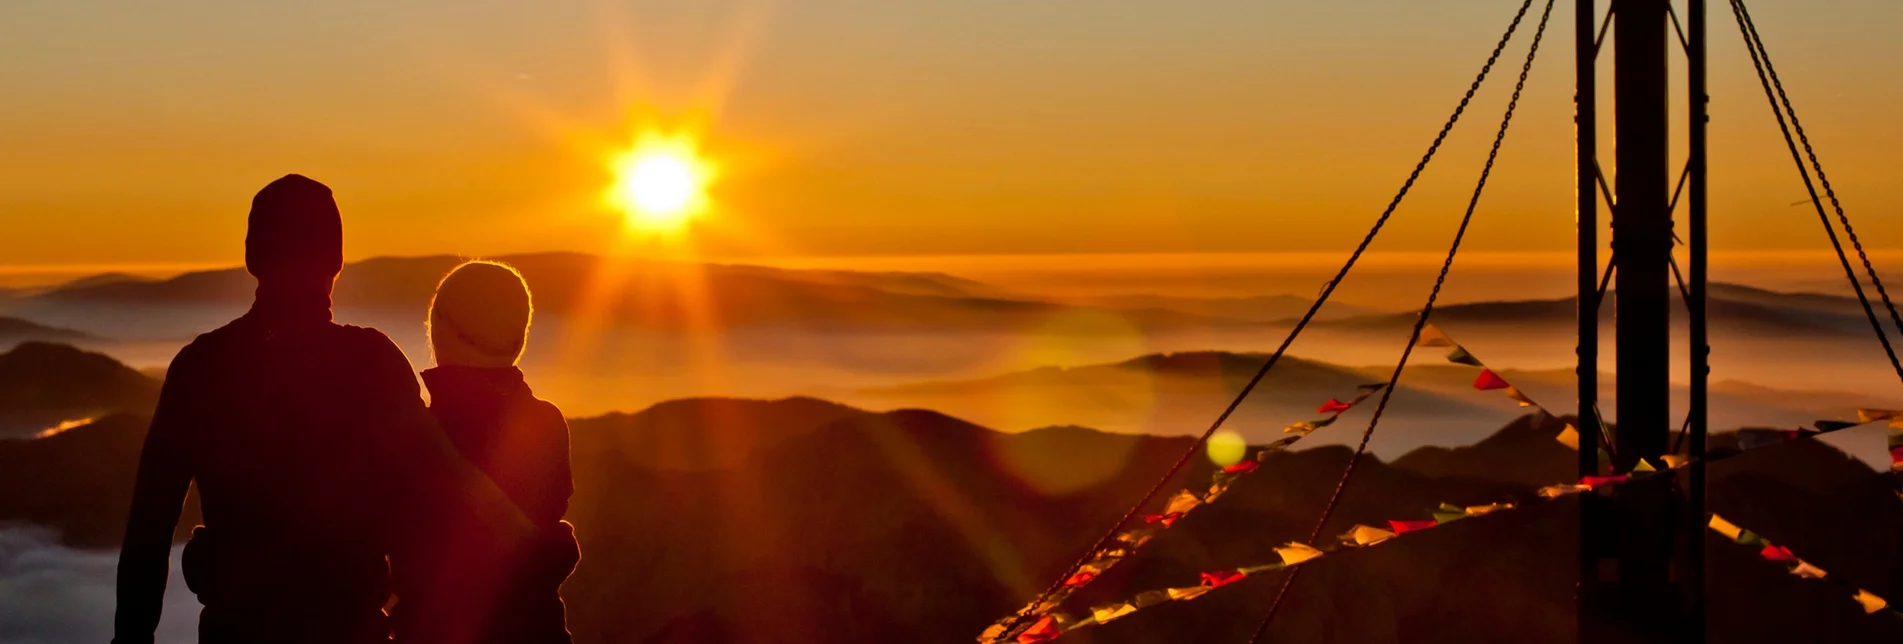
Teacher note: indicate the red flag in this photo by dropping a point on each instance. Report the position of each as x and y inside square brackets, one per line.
[1489, 381]
[1166, 519]
[1078, 580]
[1220, 578]
[1404, 527]
[1044, 630]
[1334, 406]
[1596, 481]
[1896, 456]
[1244, 467]
[1777, 553]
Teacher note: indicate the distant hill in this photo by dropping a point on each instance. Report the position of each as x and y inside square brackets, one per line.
[727, 431]
[43, 384]
[914, 526]
[78, 481]
[636, 294]
[1262, 308]
[15, 330]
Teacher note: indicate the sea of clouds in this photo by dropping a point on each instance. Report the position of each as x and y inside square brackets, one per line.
[52, 594]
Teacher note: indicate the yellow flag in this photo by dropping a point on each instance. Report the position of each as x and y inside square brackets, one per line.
[1556, 491]
[1871, 603]
[1644, 466]
[1569, 437]
[1807, 571]
[1432, 337]
[1721, 526]
[1364, 535]
[1520, 397]
[1674, 461]
[1191, 592]
[1478, 510]
[1874, 415]
[1104, 614]
[1295, 553]
[1300, 427]
[1184, 501]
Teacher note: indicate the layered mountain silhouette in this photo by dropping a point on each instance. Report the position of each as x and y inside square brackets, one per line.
[842, 525]
[15, 330]
[44, 384]
[638, 294]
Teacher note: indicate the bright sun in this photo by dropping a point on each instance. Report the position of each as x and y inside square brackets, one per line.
[661, 182]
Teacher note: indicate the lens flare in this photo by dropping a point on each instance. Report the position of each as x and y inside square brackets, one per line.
[660, 183]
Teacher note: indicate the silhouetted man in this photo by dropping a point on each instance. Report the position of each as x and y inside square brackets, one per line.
[306, 439]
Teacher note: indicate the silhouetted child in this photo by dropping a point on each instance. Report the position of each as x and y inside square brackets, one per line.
[455, 585]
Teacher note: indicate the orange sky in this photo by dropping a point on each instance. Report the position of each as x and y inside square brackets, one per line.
[136, 134]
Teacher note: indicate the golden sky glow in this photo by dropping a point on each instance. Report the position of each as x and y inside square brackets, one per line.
[660, 183]
[138, 133]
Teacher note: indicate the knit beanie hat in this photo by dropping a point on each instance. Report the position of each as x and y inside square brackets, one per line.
[294, 232]
[480, 316]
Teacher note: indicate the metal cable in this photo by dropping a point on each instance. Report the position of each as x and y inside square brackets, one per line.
[1017, 621]
[1767, 77]
[1420, 323]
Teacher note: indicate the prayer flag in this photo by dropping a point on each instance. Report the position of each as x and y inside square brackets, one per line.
[1896, 458]
[1080, 579]
[1220, 578]
[1444, 518]
[1569, 437]
[1871, 603]
[1519, 397]
[1460, 356]
[1556, 491]
[1364, 535]
[1596, 481]
[1644, 466]
[1333, 406]
[1479, 510]
[1777, 553]
[1431, 336]
[1297, 552]
[1167, 519]
[1404, 527]
[1807, 571]
[1106, 614]
[1674, 461]
[1137, 537]
[1874, 415]
[1721, 526]
[1244, 467]
[1191, 592]
[1489, 381]
[1044, 630]
[1256, 570]
[1150, 598]
[1302, 427]
[1184, 501]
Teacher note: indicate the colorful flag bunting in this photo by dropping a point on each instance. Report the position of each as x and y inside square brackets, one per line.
[1479, 510]
[1404, 527]
[1675, 461]
[1220, 578]
[1777, 553]
[1444, 518]
[1871, 603]
[1297, 552]
[1489, 381]
[1334, 406]
[1556, 491]
[1079, 579]
[1301, 427]
[1365, 535]
[1167, 519]
[1644, 466]
[1150, 598]
[1569, 437]
[1874, 415]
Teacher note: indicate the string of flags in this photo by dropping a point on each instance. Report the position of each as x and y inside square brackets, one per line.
[1034, 619]
[1871, 603]
[1055, 624]
[1047, 624]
